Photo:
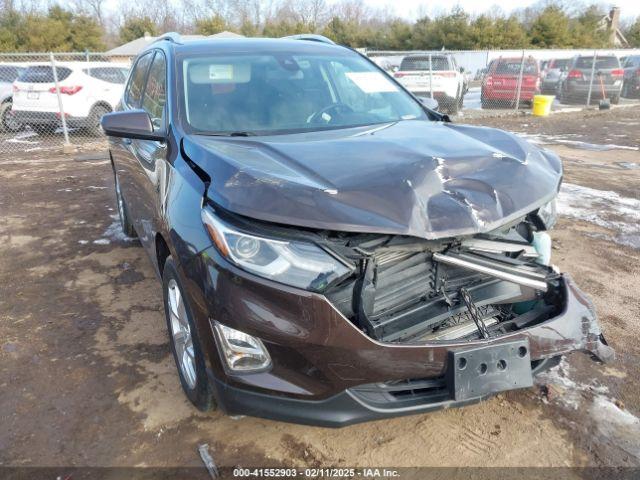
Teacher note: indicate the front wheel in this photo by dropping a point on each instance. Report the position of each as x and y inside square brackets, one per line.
[185, 344]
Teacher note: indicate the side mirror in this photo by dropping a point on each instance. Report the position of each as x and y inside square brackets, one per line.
[461, 69]
[395, 68]
[430, 103]
[131, 124]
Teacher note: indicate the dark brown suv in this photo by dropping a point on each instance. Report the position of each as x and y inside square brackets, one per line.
[331, 250]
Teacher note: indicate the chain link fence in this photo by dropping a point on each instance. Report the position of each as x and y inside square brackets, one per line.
[50, 100]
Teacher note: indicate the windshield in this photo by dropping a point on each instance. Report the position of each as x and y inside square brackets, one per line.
[601, 62]
[286, 93]
[560, 63]
[513, 68]
[422, 63]
[43, 74]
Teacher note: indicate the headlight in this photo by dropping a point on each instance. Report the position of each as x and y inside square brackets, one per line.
[295, 263]
[548, 214]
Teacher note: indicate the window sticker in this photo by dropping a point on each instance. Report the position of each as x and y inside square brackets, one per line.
[371, 82]
[221, 72]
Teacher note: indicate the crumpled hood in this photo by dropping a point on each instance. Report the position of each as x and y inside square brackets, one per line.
[419, 178]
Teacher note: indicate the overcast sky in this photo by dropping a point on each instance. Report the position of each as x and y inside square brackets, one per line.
[412, 9]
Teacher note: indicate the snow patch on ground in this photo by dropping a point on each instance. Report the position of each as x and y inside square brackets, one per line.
[113, 233]
[604, 208]
[571, 393]
[614, 424]
[618, 426]
[542, 139]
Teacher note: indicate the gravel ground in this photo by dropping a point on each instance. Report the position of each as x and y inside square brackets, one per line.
[87, 379]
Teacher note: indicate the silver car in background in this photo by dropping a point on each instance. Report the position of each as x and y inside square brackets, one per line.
[552, 75]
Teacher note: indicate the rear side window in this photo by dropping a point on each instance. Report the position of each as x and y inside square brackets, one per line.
[601, 62]
[110, 75]
[9, 74]
[560, 63]
[155, 93]
[136, 82]
[43, 74]
[422, 63]
[632, 62]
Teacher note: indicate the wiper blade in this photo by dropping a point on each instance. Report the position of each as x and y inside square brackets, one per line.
[229, 134]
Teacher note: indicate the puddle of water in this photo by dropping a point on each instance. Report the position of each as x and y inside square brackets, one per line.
[604, 208]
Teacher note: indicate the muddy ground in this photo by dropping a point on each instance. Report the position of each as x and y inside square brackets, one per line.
[87, 379]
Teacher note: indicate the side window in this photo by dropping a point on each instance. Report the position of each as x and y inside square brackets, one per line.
[136, 82]
[110, 75]
[155, 93]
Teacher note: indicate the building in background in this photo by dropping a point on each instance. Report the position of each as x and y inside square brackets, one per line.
[131, 49]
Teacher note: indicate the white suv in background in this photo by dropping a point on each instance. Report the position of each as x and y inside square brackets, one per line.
[88, 91]
[446, 81]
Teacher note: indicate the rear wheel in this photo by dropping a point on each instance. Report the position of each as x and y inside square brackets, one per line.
[93, 122]
[8, 122]
[185, 344]
[123, 213]
[615, 99]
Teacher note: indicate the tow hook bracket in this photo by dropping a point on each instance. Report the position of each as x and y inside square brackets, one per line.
[480, 371]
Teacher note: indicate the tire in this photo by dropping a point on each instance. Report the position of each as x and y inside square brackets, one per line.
[7, 123]
[615, 99]
[561, 96]
[454, 106]
[184, 340]
[123, 213]
[625, 90]
[93, 121]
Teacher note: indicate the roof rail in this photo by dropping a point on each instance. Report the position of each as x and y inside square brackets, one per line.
[312, 37]
[173, 37]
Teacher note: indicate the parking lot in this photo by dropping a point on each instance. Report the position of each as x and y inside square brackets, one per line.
[87, 377]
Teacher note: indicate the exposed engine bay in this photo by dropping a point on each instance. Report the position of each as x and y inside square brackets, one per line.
[407, 290]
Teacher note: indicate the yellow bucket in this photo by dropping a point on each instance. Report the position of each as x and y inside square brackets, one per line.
[542, 105]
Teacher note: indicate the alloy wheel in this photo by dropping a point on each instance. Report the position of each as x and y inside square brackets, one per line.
[181, 334]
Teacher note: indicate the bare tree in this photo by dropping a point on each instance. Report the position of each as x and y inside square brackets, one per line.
[93, 8]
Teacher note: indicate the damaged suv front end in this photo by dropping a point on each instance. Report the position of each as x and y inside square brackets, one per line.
[338, 252]
[398, 325]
